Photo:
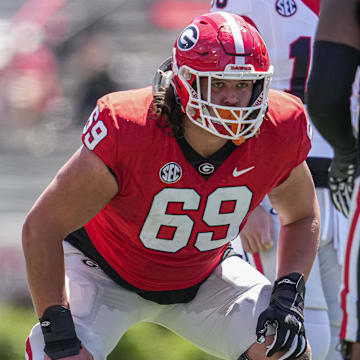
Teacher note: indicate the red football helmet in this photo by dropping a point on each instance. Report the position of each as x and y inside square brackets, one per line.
[224, 46]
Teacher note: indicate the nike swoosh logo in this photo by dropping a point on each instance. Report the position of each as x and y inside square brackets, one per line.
[237, 172]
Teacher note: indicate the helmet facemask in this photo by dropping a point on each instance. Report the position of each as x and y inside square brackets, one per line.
[229, 122]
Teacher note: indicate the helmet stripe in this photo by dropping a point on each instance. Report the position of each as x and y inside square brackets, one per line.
[238, 40]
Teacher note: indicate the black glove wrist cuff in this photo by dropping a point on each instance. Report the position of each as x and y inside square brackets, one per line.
[291, 280]
[289, 293]
[343, 159]
[59, 333]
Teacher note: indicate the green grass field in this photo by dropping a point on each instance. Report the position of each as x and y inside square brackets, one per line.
[142, 342]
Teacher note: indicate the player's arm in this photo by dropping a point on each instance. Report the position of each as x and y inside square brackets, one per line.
[295, 202]
[258, 233]
[337, 46]
[79, 191]
[338, 23]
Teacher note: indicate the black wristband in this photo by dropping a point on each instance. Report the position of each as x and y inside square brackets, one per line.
[59, 333]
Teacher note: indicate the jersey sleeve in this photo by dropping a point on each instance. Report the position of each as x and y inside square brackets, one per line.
[293, 132]
[100, 134]
[305, 132]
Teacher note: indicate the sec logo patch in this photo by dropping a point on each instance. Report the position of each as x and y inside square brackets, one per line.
[170, 173]
[286, 7]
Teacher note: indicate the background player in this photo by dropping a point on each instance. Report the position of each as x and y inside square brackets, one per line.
[288, 29]
[150, 202]
[336, 59]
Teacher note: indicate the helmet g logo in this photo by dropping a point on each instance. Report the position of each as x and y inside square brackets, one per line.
[188, 38]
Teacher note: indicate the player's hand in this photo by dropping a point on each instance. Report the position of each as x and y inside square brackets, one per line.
[258, 233]
[341, 181]
[286, 315]
[82, 355]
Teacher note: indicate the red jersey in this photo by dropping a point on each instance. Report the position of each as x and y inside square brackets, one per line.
[167, 227]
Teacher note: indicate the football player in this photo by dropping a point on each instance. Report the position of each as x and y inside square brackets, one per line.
[288, 29]
[336, 60]
[150, 202]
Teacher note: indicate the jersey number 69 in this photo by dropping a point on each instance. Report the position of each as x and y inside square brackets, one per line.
[183, 224]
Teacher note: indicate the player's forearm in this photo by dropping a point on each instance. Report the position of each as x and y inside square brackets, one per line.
[328, 105]
[44, 258]
[297, 246]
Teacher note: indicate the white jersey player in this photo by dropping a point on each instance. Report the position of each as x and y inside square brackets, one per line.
[288, 28]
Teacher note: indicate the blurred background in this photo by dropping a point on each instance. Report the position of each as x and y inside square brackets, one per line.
[56, 58]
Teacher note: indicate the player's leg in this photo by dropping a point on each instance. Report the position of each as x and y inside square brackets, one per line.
[351, 350]
[331, 278]
[102, 310]
[318, 332]
[317, 325]
[350, 330]
[222, 318]
[355, 351]
[333, 232]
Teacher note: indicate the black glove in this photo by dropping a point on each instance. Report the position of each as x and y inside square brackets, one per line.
[341, 181]
[59, 333]
[286, 315]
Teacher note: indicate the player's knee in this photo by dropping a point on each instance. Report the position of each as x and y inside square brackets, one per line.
[306, 355]
[35, 344]
[258, 352]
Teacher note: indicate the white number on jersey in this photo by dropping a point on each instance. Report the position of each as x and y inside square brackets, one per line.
[97, 132]
[183, 224]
